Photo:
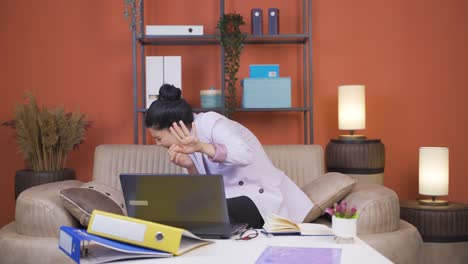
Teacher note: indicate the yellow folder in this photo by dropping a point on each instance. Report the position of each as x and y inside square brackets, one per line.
[143, 233]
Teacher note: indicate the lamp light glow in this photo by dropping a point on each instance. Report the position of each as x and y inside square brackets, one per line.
[433, 173]
[351, 109]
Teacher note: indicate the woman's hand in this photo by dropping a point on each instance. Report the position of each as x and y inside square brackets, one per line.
[188, 143]
[180, 159]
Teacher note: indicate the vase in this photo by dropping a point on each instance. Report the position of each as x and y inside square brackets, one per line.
[344, 227]
[25, 179]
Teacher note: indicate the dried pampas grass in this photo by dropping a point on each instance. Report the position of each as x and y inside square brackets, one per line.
[45, 136]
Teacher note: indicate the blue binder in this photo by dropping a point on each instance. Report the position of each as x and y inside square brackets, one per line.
[256, 21]
[273, 21]
[80, 245]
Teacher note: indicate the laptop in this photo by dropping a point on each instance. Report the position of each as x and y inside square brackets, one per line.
[193, 202]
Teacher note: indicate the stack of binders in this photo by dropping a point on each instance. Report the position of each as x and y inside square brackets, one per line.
[112, 237]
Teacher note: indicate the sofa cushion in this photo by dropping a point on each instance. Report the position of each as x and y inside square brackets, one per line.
[378, 207]
[40, 212]
[302, 163]
[17, 248]
[327, 190]
[112, 160]
[403, 246]
[81, 202]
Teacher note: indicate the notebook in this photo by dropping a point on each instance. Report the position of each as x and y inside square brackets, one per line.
[278, 225]
[299, 255]
[193, 202]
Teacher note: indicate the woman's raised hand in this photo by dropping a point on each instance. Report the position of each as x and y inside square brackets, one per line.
[188, 143]
[180, 159]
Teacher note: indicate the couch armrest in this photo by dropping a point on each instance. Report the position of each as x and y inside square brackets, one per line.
[39, 210]
[378, 208]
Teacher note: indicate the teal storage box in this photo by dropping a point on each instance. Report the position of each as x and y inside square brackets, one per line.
[266, 92]
[263, 70]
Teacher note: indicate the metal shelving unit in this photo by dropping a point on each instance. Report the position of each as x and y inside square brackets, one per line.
[304, 39]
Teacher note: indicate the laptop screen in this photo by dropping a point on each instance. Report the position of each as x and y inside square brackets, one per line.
[174, 199]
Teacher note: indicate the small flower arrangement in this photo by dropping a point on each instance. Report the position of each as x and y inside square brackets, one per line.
[341, 210]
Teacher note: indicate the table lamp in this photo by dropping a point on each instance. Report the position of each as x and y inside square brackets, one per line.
[351, 110]
[433, 174]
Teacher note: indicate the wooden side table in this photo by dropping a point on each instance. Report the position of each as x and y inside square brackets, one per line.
[362, 159]
[440, 224]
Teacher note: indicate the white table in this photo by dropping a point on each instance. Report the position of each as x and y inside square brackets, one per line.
[239, 251]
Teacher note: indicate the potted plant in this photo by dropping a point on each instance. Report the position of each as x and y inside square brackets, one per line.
[232, 40]
[132, 9]
[45, 137]
[344, 220]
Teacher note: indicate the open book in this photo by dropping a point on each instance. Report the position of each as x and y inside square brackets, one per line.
[278, 225]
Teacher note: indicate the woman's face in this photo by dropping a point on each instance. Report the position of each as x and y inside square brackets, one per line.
[163, 137]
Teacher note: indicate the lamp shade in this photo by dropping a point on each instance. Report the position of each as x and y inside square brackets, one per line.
[351, 107]
[433, 171]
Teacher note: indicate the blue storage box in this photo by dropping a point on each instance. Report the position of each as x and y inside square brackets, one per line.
[263, 70]
[266, 92]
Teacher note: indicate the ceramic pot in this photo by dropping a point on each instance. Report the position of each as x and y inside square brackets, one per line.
[344, 227]
[25, 179]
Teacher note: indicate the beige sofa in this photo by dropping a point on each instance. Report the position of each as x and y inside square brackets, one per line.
[32, 238]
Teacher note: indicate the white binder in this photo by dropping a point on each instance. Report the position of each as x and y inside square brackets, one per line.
[161, 70]
[196, 30]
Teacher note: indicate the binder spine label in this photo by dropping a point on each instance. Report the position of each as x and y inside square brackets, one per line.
[119, 228]
[66, 242]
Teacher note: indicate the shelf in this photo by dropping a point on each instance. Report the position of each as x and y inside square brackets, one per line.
[277, 39]
[162, 40]
[302, 40]
[178, 40]
[291, 109]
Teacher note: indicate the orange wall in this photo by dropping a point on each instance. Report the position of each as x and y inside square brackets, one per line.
[410, 55]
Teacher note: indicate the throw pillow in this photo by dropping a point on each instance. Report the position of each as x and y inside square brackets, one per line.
[81, 202]
[327, 190]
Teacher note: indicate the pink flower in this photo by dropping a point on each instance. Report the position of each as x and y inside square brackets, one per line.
[341, 210]
[343, 207]
[330, 211]
[338, 208]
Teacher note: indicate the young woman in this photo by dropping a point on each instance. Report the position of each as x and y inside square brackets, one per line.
[209, 143]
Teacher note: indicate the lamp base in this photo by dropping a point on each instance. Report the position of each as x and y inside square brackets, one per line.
[352, 137]
[432, 202]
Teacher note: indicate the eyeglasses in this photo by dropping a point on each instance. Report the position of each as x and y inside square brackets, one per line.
[248, 234]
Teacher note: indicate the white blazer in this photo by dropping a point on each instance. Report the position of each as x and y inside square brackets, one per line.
[247, 169]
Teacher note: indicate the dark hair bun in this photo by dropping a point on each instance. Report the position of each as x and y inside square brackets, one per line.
[169, 92]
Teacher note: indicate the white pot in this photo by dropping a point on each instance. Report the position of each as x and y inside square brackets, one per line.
[343, 227]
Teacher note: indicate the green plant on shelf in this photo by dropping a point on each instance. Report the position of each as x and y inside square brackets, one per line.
[132, 13]
[232, 40]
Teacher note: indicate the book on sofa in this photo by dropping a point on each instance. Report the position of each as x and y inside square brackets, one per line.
[83, 247]
[278, 225]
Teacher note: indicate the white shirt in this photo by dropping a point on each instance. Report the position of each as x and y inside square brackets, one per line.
[246, 168]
